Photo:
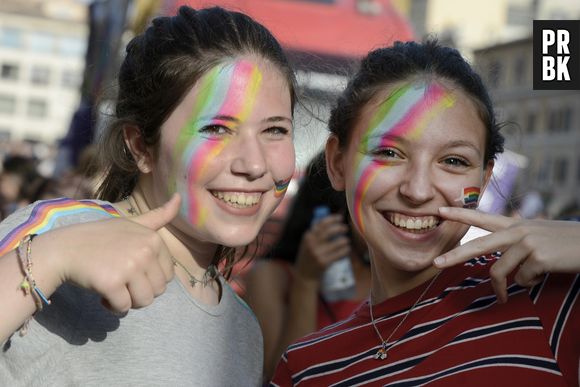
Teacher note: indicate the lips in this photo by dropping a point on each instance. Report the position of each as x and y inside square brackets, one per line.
[238, 199]
[412, 223]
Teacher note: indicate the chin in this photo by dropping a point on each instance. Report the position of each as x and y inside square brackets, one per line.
[237, 238]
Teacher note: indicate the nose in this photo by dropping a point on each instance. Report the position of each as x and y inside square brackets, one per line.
[417, 185]
[249, 160]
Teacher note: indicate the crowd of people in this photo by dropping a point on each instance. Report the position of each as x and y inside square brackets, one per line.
[130, 287]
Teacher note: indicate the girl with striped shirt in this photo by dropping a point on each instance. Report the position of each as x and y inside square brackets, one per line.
[413, 140]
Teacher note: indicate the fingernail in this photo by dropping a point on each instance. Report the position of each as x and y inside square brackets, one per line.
[439, 261]
[443, 209]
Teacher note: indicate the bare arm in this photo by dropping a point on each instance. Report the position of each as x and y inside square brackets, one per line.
[285, 321]
[266, 291]
[128, 272]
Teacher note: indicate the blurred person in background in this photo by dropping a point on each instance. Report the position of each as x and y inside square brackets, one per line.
[18, 181]
[284, 287]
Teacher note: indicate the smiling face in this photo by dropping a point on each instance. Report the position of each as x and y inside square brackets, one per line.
[416, 147]
[228, 150]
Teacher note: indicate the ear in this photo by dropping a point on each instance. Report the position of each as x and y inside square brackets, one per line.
[488, 171]
[140, 152]
[335, 163]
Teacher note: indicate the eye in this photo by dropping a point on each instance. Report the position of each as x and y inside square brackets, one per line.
[215, 130]
[456, 162]
[386, 153]
[276, 131]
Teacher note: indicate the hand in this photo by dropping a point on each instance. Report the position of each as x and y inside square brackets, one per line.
[123, 259]
[322, 244]
[536, 246]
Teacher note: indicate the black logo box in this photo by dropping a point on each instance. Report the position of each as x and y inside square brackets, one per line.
[573, 28]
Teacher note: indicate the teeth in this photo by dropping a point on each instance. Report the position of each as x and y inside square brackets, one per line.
[414, 223]
[238, 199]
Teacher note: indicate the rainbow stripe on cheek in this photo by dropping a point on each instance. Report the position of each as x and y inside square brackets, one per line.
[227, 90]
[405, 113]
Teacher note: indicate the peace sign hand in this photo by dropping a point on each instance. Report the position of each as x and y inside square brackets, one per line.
[536, 246]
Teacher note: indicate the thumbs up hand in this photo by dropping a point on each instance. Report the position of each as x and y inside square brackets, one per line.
[123, 259]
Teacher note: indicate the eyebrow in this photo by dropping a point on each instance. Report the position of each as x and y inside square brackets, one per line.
[463, 143]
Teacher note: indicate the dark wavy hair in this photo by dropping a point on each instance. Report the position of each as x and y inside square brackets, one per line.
[161, 65]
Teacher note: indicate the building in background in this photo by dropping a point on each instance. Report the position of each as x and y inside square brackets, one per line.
[543, 125]
[42, 51]
[471, 25]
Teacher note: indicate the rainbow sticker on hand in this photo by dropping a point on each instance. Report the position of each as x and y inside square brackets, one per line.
[470, 197]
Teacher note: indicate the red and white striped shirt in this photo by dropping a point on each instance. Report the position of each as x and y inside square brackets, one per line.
[457, 335]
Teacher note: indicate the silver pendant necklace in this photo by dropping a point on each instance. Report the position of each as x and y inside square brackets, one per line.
[382, 352]
[210, 274]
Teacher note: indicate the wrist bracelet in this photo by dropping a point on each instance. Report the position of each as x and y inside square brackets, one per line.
[28, 284]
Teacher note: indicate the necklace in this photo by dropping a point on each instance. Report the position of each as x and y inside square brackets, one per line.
[382, 352]
[131, 210]
[210, 274]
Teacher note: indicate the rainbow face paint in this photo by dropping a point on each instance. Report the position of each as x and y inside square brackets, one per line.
[404, 114]
[281, 187]
[225, 98]
[470, 197]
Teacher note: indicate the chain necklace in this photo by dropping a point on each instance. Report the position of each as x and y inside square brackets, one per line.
[131, 210]
[210, 274]
[382, 352]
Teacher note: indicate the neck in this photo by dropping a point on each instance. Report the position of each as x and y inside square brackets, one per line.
[195, 255]
[388, 282]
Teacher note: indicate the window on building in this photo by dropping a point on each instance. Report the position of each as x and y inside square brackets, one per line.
[40, 75]
[494, 73]
[41, 42]
[10, 37]
[520, 71]
[561, 171]
[9, 71]
[518, 15]
[37, 108]
[5, 134]
[560, 120]
[7, 104]
[71, 78]
[531, 123]
[544, 170]
[567, 115]
[72, 46]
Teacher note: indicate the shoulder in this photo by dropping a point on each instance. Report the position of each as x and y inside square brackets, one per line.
[235, 305]
[271, 273]
[42, 216]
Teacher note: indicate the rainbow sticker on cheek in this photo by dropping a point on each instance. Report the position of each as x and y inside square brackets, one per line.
[405, 113]
[226, 91]
[470, 197]
[281, 187]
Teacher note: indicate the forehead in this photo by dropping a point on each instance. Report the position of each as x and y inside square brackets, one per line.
[248, 71]
[420, 108]
[231, 88]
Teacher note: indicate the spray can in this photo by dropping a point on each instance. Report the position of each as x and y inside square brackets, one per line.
[338, 281]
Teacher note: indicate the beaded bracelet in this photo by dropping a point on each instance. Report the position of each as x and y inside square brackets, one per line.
[28, 282]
